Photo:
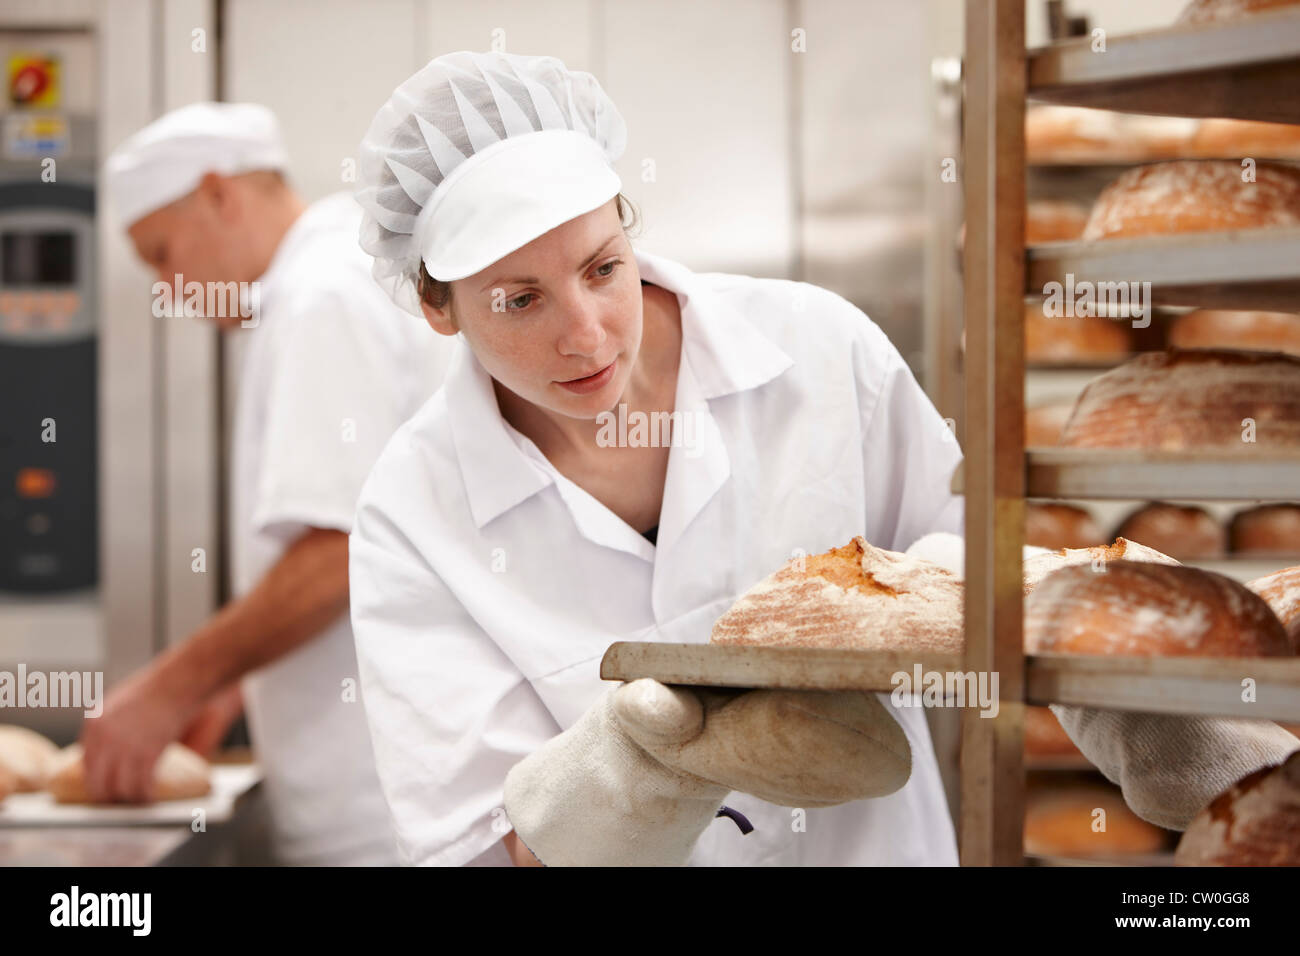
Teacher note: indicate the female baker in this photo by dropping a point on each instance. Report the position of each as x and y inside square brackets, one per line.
[532, 512]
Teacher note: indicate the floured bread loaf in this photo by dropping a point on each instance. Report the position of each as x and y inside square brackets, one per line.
[1189, 195]
[1045, 423]
[1184, 532]
[1071, 338]
[1223, 11]
[1281, 592]
[1053, 220]
[27, 756]
[1044, 735]
[1255, 823]
[1266, 529]
[1039, 566]
[856, 596]
[8, 782]
[1061, 526]
[1079, 134]
[1228, 329]
[1059, 821]
[1142, 609]
[1234, 138]
[179, 774]
[1194, 399]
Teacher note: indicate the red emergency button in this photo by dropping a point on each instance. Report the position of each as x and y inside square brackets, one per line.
[35, 483]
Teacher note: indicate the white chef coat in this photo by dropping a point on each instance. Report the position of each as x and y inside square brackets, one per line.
[328, 373]
[486, 585]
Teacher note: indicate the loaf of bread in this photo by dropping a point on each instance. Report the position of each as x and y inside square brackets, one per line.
[1255, 823]
[1045, 423]
[1039, 566]
[856, 596]
[1265, 530]
[1074, 338]
[1195, 399]
[1224, 11]
[1180, 531]
[179, 774]
[1044, 735]
[1054, 220]
[1137, 608]
[1227, 329]
[1239, 139]
[1063, 821]
[1077, 134]
[1055, 526]
[27, 756]
[8, 782]
[1281, 592]
[1195, 196]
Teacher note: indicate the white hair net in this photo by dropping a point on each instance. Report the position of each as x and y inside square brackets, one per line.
[476, 155]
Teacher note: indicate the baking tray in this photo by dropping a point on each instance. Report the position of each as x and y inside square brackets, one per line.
[229, 784]
[791, 668]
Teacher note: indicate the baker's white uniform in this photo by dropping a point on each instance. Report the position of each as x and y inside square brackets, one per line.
[329, 372]
[486, 586]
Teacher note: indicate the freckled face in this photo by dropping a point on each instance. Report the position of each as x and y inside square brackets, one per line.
[558, 321]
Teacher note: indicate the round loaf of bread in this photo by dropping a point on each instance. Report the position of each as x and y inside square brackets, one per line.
[179, 774]
[1226, 329]
[1150, 610]
[1238, 139]
[27, 756]
[1223, 11]
[1063, 821]
[8, 782]
[1195, 196]
[1265, 530]
[1178, 400]
[1054, 220]
[1039, 566]
[1044, 735]
[1045, 423]
[1069, 339]
[1183, 532]
[1281, 592]
[1060, 135]
[1255, 823]
[1056, 526]
[855, 596]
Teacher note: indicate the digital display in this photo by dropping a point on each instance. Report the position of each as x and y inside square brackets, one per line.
[37, 258]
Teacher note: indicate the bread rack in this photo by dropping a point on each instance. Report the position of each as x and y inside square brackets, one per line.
[1249, 69]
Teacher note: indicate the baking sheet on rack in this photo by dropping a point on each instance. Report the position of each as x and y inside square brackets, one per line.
[229, 783]
[792, 668]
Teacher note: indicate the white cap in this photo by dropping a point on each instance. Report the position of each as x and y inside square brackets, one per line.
[477, 155]
[165, 161]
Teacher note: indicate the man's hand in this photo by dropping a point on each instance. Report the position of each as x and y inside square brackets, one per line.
[142, 715]
[209, 728]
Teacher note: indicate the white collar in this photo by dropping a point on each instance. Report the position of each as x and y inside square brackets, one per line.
[722, 353]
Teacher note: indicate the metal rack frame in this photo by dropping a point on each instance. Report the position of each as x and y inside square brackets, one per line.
[1213, 70]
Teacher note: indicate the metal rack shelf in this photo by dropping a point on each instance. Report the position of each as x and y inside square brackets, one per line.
[1249, 69]
[1208, 686]
[1245, 269]
[1101, 473]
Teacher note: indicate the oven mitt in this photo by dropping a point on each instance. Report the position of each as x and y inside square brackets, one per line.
[641, 775]
[1171, 766]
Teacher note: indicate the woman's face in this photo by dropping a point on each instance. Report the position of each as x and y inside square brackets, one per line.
[558, 321]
